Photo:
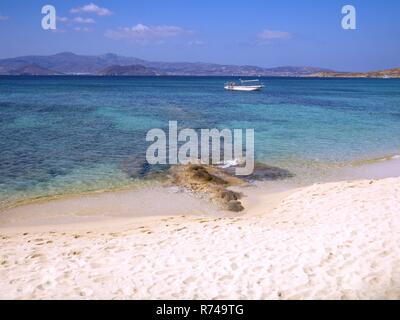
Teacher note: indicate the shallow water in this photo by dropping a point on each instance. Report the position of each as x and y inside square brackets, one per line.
[61, 135]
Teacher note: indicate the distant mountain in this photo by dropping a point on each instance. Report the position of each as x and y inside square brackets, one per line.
[33, 70]
[4, 70]
[134, 70]
[111, 64]
[70, 63]
[389, 73]
[209, 69]
[298, 71]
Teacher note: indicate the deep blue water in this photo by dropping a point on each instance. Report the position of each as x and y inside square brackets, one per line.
[71, 134]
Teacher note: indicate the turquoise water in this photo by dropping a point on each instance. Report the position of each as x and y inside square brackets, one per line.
[71, 134]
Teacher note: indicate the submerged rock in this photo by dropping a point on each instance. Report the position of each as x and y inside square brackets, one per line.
[138, 167]
[135, 166]
[269, 173]
[263, 172]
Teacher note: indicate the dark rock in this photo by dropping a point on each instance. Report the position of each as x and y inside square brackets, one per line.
[202, 174]
[263, 172]
[235, 206]
[211, 180]
[228, 195]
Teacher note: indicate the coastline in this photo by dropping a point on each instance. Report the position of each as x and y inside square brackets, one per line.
[108, 204]
[330, 240]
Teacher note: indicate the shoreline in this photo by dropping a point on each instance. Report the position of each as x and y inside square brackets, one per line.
[343, 171]
[378, 168]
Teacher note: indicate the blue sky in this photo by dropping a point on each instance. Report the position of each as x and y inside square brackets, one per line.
[265, 33]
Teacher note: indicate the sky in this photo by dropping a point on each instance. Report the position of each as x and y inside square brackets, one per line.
[253, 32]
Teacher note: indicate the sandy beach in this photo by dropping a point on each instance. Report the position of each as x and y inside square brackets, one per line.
[335, 240]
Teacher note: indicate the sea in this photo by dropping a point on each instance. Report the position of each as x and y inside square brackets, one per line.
[66, 135]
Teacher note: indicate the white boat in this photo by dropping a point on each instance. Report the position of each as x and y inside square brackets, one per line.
[245, 85]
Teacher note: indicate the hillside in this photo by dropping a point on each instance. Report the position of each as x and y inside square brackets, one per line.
[33, 70]
[70, 63]
[111, 64]
[390, 73]
[133, 70]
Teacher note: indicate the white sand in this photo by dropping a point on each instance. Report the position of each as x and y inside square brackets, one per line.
[330, 241]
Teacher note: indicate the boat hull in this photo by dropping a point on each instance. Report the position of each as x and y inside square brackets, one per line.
[243, 88]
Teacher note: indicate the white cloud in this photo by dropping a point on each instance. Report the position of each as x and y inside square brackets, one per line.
[141, 32]
[83, 20]
[78, 20]
[271, 35]
[3, 18]
[92, 8]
